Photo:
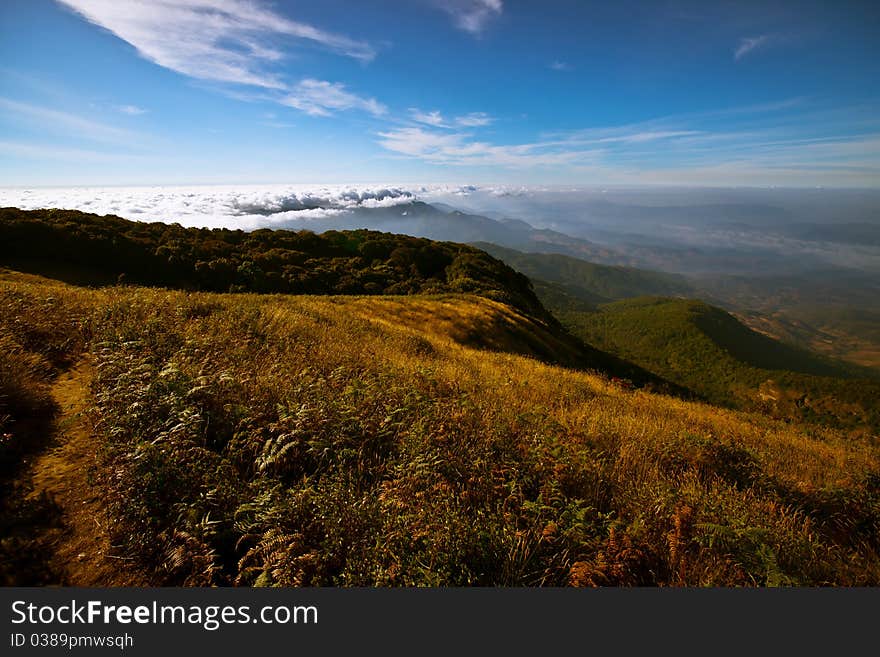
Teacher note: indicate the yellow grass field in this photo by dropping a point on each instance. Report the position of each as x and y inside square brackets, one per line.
[298, 440]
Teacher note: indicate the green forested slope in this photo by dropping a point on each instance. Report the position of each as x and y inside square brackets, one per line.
[79, 247]
[711, 353]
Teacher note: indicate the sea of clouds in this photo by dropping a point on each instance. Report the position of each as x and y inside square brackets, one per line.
[255, 206]
[241, 206]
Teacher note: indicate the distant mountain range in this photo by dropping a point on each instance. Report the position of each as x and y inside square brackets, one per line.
[589, 282]
[444, 223]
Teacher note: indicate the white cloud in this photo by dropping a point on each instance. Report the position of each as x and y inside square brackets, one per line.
[560, 66]
[245, 206]
[233, 41]
[322, 98]
[750, 44]
[433, 118]
[471, 15]
[131, 110]
[418, 142]
[229, 41]
[474, 120]
[436, 119]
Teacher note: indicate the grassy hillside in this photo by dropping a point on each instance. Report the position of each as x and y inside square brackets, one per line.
[710, 352]
[299, 440]
[586, 281]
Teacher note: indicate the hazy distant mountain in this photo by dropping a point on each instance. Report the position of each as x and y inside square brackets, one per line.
[858, 233]
[605, 212]
[587, 281]
[443, 223]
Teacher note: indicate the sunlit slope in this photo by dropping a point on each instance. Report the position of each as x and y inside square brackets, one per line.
[362, 441]
[710, 352]
[487, 324]
[467, 320]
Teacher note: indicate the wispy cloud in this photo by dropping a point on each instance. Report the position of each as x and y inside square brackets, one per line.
[131, 110]
[643, 137]
[474, 120]
[471, 15]
[750, 44]
[683, 125]
[460, 149]
[43, 152]
[560, 66]
[270, 120]
[233, 41]
[758, 108]
[65, 123]
[624, 135]
[322, 98]
[436, 119]
[791, 141]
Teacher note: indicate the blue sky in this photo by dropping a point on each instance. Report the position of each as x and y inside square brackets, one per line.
[419, 91]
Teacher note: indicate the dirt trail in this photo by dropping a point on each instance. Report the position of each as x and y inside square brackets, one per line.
[80, 545]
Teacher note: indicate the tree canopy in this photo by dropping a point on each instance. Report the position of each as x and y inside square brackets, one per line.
[87, 248]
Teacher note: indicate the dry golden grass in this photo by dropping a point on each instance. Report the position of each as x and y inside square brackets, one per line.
[368, 441]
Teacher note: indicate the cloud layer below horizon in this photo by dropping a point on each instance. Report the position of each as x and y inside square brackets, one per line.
[224, 206]
[606, 216]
